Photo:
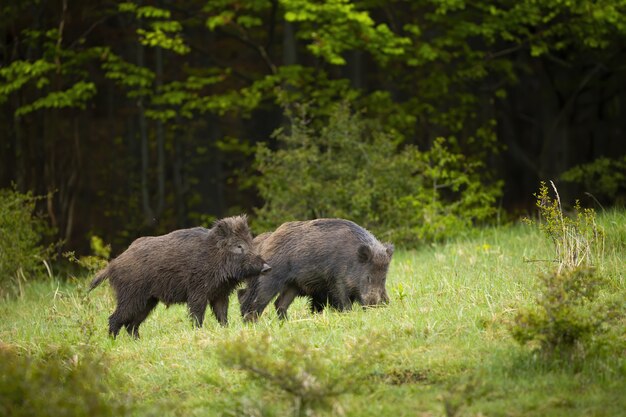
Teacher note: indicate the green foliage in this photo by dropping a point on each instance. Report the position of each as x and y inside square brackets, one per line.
[135, 79]
[242, 16]
[57, 77]
[162, 32]
[604, 178]
[329, 28]
[568, 317]
[336, 26]
[22, 253]
[31, 386]
[75, 96]
[351, 168]
[424, 69]
[460, 396]
[452, 194]
[578, 240]
[19, 73]
[400, 292]
[310, 377]
[185, 98]
[98, 259]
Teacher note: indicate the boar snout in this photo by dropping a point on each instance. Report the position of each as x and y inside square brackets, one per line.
[385, 298]
[266, 268]
[376, 300]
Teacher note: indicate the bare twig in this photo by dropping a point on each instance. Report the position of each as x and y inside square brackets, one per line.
[541, 260]
[588, 194]
[57, 58]
[243, 37]
[48, 269]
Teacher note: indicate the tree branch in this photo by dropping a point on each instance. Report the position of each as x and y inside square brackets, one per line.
[245, 39]
[272, 26]
[57, 59]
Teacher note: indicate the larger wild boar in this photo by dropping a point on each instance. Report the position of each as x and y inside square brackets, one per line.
[317, 301]
[332, 261]
[196, 266]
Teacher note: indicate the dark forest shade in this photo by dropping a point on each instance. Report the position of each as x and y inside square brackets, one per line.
[156, 135]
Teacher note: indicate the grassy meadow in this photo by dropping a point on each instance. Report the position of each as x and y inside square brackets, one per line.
[441, 348]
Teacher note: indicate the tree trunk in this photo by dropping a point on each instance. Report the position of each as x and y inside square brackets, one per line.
[145, 151]
[160, 138]
[290, 47]
[354, 69]
[180, 189]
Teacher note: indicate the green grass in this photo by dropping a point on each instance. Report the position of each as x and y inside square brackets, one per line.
[441, 347]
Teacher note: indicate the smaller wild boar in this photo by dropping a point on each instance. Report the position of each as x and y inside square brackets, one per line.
[332, 261]
[197, 266]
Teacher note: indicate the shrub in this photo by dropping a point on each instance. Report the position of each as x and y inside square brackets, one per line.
[604, 178]
[351, 168]
[22, 253]
[59, 384]
[578, 240]
[96, 261]
[310, 377]
[568, 316]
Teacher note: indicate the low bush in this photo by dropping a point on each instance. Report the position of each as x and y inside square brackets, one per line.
[22, 252]
[578, 240]
[98, 259]
[604, 178]
[568, 317]
[310, 378]
[351, 168]
[56, 384]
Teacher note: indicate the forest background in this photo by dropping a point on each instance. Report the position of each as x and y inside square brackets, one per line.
[413, 118]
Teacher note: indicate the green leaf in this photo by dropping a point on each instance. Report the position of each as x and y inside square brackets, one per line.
[75, 96]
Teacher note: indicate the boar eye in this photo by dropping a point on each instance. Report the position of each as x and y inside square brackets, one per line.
[238, 248]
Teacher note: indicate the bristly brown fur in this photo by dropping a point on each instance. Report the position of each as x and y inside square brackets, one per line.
[331, 261]
[197, 266]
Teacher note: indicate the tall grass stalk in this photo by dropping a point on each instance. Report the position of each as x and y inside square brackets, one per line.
[578, 240]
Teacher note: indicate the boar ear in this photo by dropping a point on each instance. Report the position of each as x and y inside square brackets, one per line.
[365, 253]
[389, 249]
[221, 228]
[240, 223]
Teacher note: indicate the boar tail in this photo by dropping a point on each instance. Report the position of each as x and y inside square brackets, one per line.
[100, 276]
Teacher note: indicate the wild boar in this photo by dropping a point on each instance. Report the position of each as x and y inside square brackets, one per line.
[197, 266]
[317, 301]
[332, 261]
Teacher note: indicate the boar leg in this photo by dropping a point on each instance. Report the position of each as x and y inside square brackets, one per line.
[318, 302]
[115, 324]
[197, 307]
[220, 309]
[267, 289]
[339, 297]
[284, 300]
[122, 315]
[133, 327]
